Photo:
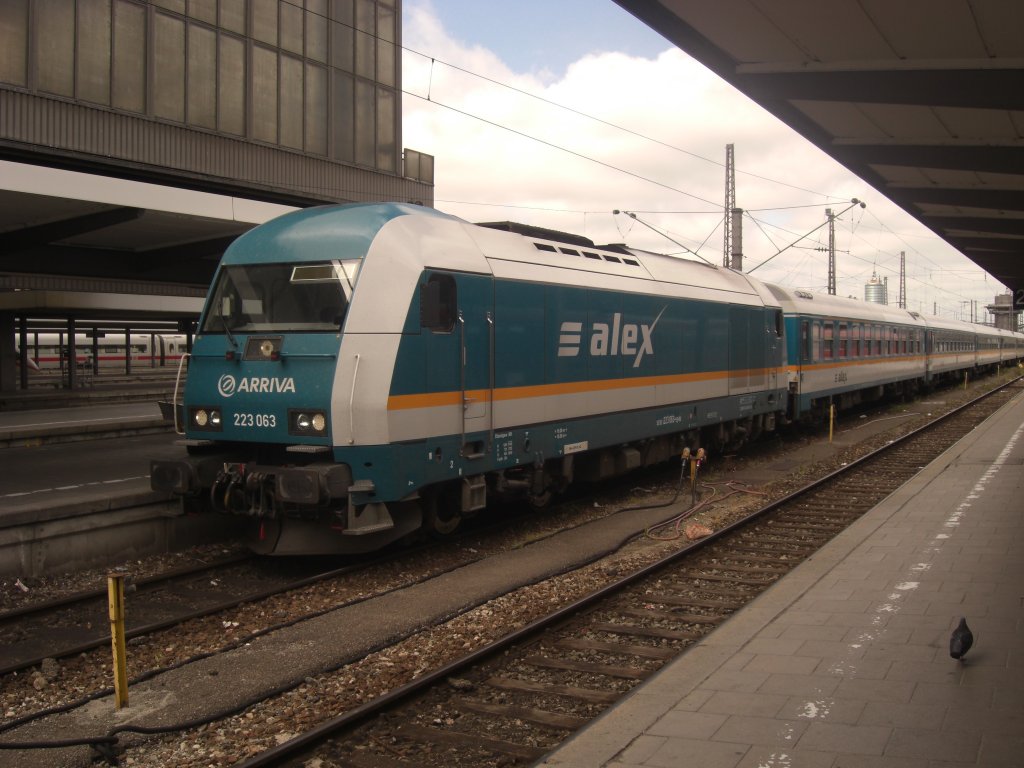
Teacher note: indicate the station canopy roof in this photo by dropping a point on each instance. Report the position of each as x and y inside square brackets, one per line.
[923, 99]
[66, 230]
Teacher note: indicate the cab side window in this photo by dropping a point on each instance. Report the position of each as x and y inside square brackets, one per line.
[438, 303]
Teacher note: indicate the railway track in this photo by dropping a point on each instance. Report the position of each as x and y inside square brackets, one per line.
[516, 699]
[76, 623]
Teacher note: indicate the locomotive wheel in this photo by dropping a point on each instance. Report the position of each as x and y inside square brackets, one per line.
[441, 516]
[539, 501]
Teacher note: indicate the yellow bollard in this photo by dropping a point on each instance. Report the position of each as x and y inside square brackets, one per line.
[115, 602]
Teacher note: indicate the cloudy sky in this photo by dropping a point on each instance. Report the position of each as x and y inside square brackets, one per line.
[557, 113]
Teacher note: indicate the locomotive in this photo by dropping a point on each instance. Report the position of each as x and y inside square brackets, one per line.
[362, 372]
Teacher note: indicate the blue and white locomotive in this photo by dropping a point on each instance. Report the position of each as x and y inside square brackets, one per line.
[365, 371]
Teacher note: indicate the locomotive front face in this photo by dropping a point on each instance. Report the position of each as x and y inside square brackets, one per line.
[262, 368]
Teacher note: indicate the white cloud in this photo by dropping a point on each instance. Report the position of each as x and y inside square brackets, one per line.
[486, 173]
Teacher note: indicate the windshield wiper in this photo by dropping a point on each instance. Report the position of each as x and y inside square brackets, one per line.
[227, 330]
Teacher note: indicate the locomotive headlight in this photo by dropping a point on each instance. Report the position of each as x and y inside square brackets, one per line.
[206, 418]
[307, 422]
[266, 348]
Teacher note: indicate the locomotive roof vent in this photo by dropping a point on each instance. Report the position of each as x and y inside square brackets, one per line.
[804, 294]
[547, 247]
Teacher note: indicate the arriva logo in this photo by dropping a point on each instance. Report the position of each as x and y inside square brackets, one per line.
[227, 386]
[617, 339]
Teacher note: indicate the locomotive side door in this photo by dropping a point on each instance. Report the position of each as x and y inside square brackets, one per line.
[773, 347]
[459, 310]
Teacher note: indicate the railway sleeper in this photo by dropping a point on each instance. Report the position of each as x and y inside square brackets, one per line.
[540, 717]
[588, 668]
[710, 590]
[650, 614]
[641, 651]
[729, 568]
[696, 575]
[531, 686]
[689, 601]
[633, 629]
[779, 560]
[798, 526]
[422, 733]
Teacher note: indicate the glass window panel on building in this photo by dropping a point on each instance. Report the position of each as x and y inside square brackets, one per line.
[387, 22]
[366, 40]
[232, 15]
[202, 76]
[93, 51]
[204, 10]
[316, 29]
[366, 123]
[264, 21]
[291, 26]
[387, 150]
[292, 92]
[342, 117]
[53, 45]
[169, 67]
[14, 42]
[231, 85]
[264, 94]
[129, 75]
[316, 109]
[386, 64]
[342, 46]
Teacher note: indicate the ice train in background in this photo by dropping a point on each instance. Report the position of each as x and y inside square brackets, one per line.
[361, 372]
[49, 352]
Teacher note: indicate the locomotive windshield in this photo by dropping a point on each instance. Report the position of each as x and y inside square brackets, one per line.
[281, 297]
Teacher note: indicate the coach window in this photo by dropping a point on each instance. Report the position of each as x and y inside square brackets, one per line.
[438, 303]
[855, 340]
[828, 336]
[844, 340]
[805, 339]
[816, 342]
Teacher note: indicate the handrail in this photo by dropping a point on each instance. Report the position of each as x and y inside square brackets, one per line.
[351, 404]
[490, 389]
[174, 402]
[462, 377]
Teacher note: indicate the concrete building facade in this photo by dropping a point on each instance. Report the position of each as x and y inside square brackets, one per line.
[294, 100]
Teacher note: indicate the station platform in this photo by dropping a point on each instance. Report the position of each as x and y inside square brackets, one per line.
[75, 490]
[845, 662]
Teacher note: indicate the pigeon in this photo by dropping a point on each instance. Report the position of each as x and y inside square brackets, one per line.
[961, 640]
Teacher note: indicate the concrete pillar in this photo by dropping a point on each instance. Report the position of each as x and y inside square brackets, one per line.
[8, 369]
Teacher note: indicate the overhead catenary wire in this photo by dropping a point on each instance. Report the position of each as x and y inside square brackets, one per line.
[435, 61]
[655, 229]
